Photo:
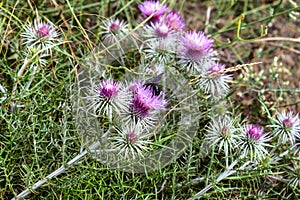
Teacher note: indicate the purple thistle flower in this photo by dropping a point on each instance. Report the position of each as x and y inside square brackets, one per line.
[40, 35]
[114, 27]
[144, 101]
[253, 142]
[197, 45]
[215, 68]
[131, 141]
[175, 21]
[158, 30]
[286, 127]
[114, 30]
[161, 30]
[221, 132]
[196, 49]
[254, 132]
[108, 97]
[213, 83]
[43, 30]
[108, 89]
[132, 137]
[149, 7]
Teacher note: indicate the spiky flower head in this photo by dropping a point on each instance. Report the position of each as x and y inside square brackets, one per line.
[40, 35]
[195, 50]
[253, 141]
[160, 51]
[108, 97]
[254, 132]
[286, 127]
[145, 101]
[175, 21]
[149, 7]
[158, 30]
[131, 141]
[213, 81]
[114, 30]
[145, 106]
[222, 132]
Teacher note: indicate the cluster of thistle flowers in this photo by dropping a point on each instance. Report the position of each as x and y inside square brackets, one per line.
[166, 42]
[251, 141]
[133, 110]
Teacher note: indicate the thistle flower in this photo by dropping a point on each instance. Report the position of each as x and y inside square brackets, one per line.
[160, 51]
[131, 141]
[158, 30]
[175, 21]
[40, 35]
[114, 30]
[222, 132]
[145, 101]
[253, 142]
[213, 83]
[109, 96]
[149, 7]
[145, 105]
[196, 50]
[286, 127]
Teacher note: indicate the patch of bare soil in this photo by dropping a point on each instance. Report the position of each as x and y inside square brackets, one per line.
[276, 79]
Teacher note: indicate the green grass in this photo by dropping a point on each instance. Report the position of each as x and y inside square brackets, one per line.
[40, 136]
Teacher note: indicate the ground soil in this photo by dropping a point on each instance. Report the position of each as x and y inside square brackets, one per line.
[257, 80]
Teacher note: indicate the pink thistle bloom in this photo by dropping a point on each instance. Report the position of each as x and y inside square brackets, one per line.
[213, 83]
[131, 141]
[254, 132]
[196, 45]
[43, 30]
[286, 127]
[108, 89]
[253, 142]
[215, 68]
[195, 49]
[149, 7]
[144, 101]
[40, 35]
[109, 97]
[132, 137]
[175, 21]
[114, 30]
[161, 30]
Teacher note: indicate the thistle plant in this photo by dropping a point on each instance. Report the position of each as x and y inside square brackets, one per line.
[222, 133]
[40, 35]
[113, 30]
[286, 127]
[213, 82]
[149, 94]
[108, 97]
[253, 142]
[195, 50]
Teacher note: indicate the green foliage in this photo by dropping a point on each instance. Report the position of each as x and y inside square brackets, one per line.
[37, 128]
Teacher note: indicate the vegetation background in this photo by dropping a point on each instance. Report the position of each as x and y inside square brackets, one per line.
[39, 136]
